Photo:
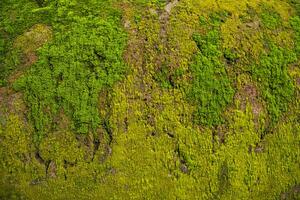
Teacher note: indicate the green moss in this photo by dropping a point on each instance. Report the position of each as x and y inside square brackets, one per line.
[276, 84]
[295, 23]
[16, 17]
[211, 88]
[296, 5]
[270, 19]
[84, 58]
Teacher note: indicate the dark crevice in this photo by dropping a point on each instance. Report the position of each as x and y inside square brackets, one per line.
[259, 148]
[107, 108]
[183, 166]
[42, 161]
[99, 55]
[69, 164]
[153, 133]
[47, 164]
[213, 139]
[126, 124]
[170, 134]
[108, 130]
[96, 147]
[39, 158]
[40, 2]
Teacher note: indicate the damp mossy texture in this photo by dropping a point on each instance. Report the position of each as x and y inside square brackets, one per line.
[150, 99]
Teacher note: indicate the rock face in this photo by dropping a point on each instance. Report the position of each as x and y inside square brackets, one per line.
[51, 172]
[170, 5]
[184, 169]
[30, 41]
[27, 44]
[33, 39]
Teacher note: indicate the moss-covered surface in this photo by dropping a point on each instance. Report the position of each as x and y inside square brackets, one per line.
[150, 99]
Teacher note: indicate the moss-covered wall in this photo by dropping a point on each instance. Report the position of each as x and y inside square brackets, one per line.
[150, 99]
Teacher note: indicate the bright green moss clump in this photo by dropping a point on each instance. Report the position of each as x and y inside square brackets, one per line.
[84, 58]
[276, 84]
[211, 88]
